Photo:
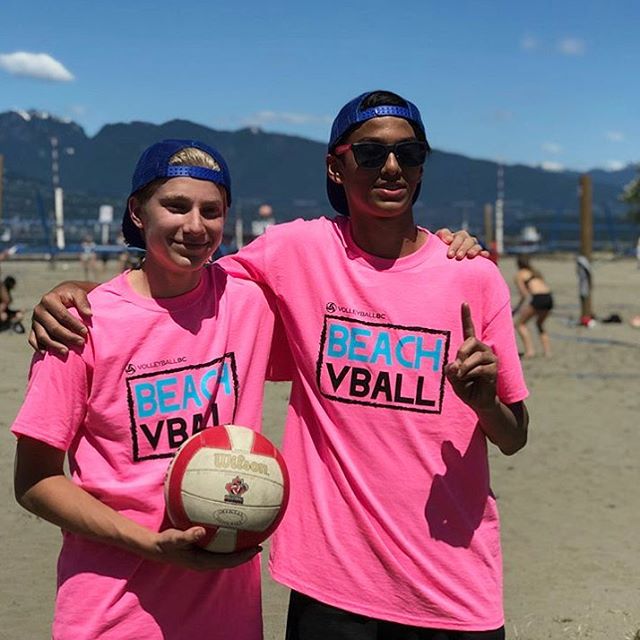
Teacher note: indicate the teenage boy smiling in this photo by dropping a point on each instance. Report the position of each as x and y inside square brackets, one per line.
[123, 571]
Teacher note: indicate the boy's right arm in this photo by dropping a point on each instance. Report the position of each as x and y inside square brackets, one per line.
[42, 487]
[52, 326]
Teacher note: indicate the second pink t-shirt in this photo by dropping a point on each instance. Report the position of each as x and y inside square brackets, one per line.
[391, 514]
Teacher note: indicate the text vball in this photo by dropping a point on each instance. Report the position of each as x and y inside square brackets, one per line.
[383, 365]
[167, 407]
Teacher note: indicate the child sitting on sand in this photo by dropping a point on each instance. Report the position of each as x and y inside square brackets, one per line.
[9, 318]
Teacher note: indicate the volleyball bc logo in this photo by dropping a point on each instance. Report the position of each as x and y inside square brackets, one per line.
[382, 365]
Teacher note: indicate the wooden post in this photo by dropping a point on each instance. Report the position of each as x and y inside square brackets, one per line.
[488, 224]
[586, 237]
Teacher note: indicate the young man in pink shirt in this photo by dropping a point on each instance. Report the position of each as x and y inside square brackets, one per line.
[404, 365]
[173, 348]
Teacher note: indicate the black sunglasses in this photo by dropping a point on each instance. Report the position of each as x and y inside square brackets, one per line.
[373, 155]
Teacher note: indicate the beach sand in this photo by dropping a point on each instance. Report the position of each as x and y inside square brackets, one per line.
[569, 501]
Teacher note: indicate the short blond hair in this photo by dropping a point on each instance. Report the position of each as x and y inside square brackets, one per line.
[192, 157]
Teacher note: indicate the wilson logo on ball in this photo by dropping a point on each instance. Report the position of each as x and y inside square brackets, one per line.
[239, 463]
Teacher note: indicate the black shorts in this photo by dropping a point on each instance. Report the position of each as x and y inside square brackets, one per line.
[309, 619]
[5, 325]
[542, 301]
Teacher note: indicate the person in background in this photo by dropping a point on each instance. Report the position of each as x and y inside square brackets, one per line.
[9, 318]
[88, 257]
[536, 301]
[125, 259]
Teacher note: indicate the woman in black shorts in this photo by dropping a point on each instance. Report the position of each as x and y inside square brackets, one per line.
[536, 302]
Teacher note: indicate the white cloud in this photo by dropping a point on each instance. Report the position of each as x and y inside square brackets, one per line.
[34, 65]
[572, 46]
[268, 117]
[615, 165]
[552, 147]
[615, 136]
[568, 46]
[551, 165]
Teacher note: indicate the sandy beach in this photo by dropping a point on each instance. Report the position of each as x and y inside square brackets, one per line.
[570, 501]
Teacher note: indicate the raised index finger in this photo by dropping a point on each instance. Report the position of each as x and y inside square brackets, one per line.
[468, 330]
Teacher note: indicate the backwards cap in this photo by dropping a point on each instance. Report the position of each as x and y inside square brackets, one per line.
[154, 164]
[352, 115]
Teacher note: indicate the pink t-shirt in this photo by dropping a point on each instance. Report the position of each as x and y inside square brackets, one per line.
[152, 373]
[391, 514]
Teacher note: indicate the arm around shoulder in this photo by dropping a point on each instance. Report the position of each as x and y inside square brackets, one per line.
[52, 326]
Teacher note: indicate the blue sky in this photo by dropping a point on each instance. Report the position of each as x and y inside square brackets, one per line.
[541, 83]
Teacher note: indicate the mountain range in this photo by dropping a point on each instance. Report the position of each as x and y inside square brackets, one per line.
[282, 170]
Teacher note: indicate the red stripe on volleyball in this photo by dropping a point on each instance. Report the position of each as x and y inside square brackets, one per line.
[213, 437]
[285, 485]
[216, 438]
[262, 446]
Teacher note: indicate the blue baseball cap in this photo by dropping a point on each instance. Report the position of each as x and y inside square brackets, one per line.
[349, 118]
[154, 164]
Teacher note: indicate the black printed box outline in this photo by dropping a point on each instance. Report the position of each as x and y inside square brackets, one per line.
[440, 332]
[134, 435]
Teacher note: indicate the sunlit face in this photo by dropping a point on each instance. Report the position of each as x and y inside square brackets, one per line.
[181, 223]
[383, 192]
